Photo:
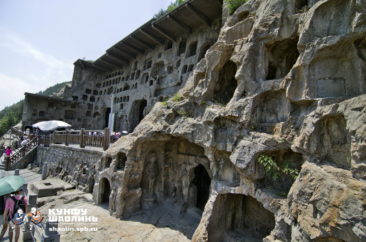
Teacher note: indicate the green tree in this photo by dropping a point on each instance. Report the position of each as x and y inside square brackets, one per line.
[234, 4]
[170, 8]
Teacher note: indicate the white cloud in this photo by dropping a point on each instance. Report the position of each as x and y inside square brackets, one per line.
[21, 46]
[12, 89]
[35, 70]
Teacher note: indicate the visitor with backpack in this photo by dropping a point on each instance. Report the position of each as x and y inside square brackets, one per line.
[13, 204]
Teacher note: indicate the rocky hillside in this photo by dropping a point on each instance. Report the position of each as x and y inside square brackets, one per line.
[275, 115]
[12, 115]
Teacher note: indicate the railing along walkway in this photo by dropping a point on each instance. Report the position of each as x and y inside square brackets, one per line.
[20, 153]
[93, 138]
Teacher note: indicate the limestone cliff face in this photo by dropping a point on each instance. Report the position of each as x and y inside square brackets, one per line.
[287, 80]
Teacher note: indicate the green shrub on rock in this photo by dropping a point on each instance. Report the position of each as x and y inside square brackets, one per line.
[234, 4]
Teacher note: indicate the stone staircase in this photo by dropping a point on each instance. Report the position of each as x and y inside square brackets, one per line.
[20, 156]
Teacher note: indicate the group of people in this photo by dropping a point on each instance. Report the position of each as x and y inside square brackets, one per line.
[14, 208]
[14, 212]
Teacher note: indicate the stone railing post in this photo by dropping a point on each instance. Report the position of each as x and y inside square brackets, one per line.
[16, 172]
[7, 163]
[106, 140]
[66, 138]
[82, 138]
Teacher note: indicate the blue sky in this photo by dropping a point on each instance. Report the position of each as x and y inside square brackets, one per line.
[41, 39]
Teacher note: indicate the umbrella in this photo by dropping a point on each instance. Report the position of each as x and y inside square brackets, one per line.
[51, 125]
[10, 184]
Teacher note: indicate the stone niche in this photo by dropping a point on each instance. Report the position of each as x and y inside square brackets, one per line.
[176, 171]
[237, 217]
[104, 191]
[226, 84]
[283, 158]
[270, 108]
[225, 133]
[330, 141]
[137, 113]
[282, 56]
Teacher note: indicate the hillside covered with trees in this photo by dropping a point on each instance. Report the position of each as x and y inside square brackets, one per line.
[12, 115]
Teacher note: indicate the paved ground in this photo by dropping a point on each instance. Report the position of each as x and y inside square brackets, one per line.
[163, 223]
[30, 177]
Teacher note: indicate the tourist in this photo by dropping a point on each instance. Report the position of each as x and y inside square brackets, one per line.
[10, 203]
[8, 151]
[24, 142]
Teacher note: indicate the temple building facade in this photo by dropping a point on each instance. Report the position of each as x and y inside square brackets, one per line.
[150, 65]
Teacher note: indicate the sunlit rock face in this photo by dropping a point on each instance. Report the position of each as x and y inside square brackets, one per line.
[285, 80]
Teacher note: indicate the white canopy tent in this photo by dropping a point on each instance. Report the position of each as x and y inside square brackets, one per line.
[51, 125]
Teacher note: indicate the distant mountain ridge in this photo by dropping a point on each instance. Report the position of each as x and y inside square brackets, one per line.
[12, 114]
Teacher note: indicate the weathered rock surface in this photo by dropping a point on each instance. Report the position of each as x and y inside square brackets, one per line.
[286, 79]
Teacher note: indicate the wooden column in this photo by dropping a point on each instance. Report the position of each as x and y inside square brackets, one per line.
[106, 140]
[82, 138]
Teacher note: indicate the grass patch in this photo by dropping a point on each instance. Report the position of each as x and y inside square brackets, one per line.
[177, 98]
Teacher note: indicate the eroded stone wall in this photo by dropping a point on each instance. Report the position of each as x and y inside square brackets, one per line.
[285, 80]
[72, 164]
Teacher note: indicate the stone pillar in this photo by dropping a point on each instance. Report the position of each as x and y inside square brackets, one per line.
[7, 163]
[16, 172]
[82, 138]
[107, 138]
[44, 171]
[66, 138]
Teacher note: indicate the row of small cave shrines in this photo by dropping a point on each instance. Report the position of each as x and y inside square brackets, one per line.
[176, 172]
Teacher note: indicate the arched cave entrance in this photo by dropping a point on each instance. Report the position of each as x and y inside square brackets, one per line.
[137, 113]
[237, 217]
[226, 85]
[105, 191]
[106, 117]
[202, 182]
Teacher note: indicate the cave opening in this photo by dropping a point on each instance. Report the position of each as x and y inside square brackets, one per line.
[237, 217]
[105, 190]
[137, 113]
[226, 85]
[202, 183]
[282, 56]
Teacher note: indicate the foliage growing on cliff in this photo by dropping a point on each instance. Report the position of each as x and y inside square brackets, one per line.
[170, 8]
[274, 170]
[12, 115]
[234, 4]
[177, 98]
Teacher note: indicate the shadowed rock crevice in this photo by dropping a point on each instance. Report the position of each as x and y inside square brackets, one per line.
[282, 56]
[226, 85]
[238, 217]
